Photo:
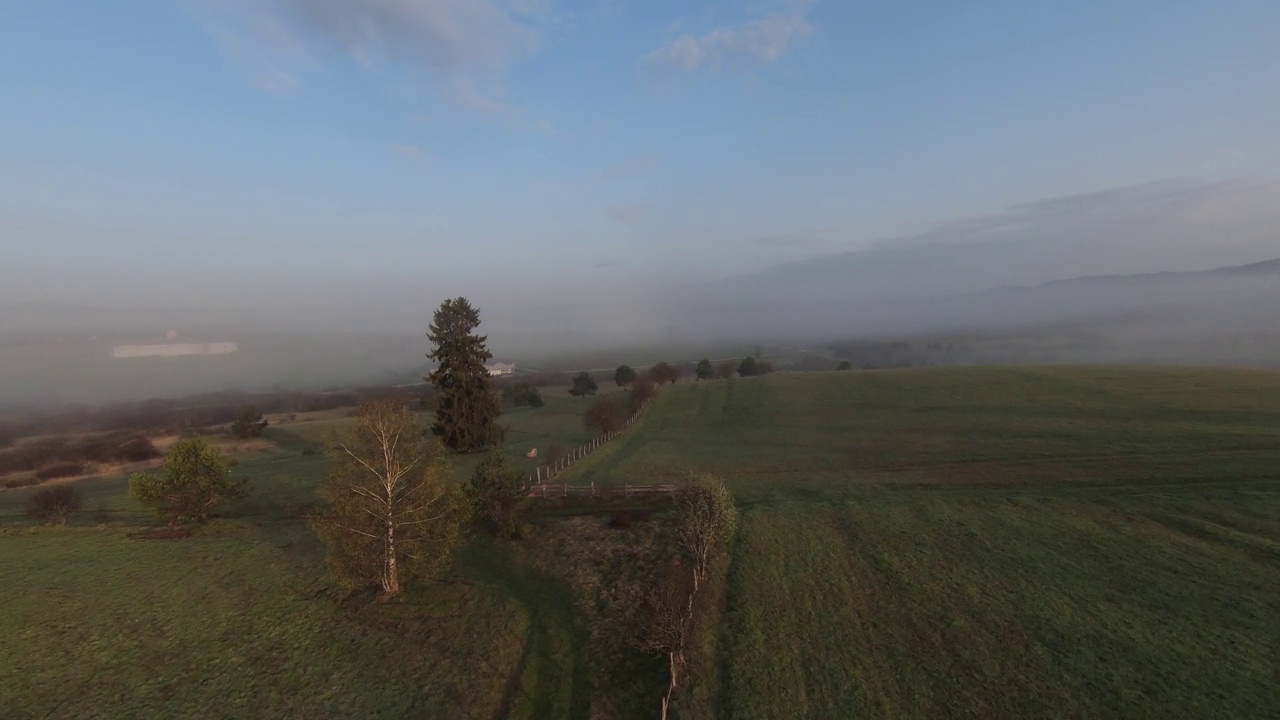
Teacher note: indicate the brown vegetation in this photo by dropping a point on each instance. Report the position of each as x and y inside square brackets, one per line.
[103, 448]
[54, 505]
[607, 415]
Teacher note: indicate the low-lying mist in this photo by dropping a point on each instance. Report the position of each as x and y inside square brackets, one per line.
[1173, 272]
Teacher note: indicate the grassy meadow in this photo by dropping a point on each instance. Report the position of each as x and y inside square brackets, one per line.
[1057, 543]
[240, 620]
[986, 543]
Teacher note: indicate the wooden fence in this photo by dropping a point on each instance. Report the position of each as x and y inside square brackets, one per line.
[559, 490]
[546, 473]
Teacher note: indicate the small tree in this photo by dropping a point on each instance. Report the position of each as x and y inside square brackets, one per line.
[248, 423]
[193, 481]
[497, 495]
[624, 375]
[704, 371]
[664, 372]
[725, 370]
[666, 622]
[52, 506]
[642, 391]
[706, 518]
[764, 367]
[844, 365]
[605, 416]
[390, 511]
[583, 384]
[748, 367]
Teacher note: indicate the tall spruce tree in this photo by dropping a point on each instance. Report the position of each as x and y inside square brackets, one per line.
[467, 408]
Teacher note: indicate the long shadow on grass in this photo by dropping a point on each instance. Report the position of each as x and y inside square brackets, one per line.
[552, 680]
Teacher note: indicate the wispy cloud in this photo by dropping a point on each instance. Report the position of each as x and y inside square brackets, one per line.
[628, 168]
[408, 151]
[463, 47]
[629, 214]
[744, 45]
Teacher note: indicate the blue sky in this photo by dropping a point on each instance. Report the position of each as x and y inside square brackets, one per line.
[205, 146]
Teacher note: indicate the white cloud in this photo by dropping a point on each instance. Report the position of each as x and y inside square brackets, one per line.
[462, 46]
[736, 46]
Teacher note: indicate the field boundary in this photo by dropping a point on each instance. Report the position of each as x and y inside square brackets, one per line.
[558, 490]
[541, 475]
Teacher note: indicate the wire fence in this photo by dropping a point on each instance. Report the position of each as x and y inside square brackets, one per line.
[544, 474]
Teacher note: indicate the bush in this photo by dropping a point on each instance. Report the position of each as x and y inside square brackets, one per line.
[624, 375]
[844, 365]
[194, 480]
[248, 423]
[725, 370]
[624, 519]
[21, 482]
[606, 416]
[60, 470]
[498, 496]
[522, 394]
[583, 384]
[664, 372]
[642, 391]
[105, 448]
[136, 449]
[704, 370]
[54, 505]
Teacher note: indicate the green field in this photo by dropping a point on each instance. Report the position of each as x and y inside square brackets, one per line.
[1011, 543]
[241, 622]
[989, 543]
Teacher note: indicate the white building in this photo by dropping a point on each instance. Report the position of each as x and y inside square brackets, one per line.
[496, 369]
[174, 350]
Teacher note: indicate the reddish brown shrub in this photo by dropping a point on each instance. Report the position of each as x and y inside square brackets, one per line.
[60, 470]
[624, 519]
[54, 505]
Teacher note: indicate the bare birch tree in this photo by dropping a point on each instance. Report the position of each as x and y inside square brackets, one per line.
[666, 623]
[390, 512]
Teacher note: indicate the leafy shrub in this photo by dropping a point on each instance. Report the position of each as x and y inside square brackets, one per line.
[248, 423]
[497, 496]
[60, 470]
[521, 395]
[54, 505]
[193, 481]
[583, 384]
